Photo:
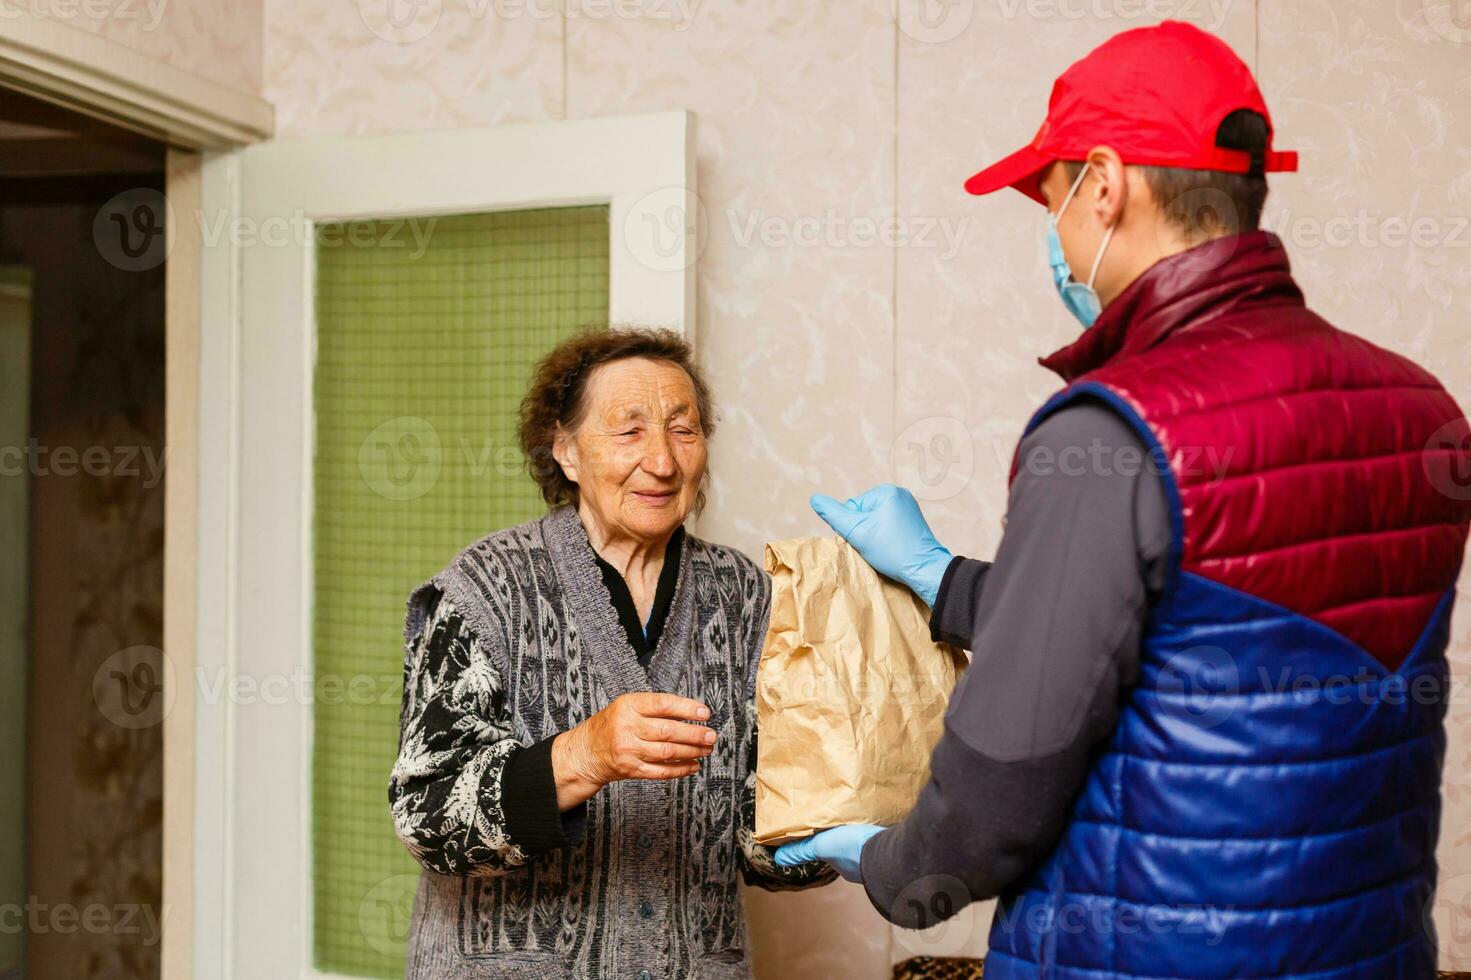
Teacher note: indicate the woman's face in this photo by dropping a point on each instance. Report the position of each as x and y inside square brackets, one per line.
[638, 456]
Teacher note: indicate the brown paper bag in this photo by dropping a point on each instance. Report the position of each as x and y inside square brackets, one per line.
[850, 693]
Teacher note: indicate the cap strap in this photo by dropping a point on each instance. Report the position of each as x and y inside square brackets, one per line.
[1254, 162]
[1284, 160]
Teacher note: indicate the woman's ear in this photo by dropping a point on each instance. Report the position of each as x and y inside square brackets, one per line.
[564, 451]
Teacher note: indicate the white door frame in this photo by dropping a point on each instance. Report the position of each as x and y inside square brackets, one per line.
[73, 67]
[251, 902]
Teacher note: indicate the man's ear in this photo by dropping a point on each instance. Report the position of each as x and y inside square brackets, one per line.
[1108, 191]
[564, 451]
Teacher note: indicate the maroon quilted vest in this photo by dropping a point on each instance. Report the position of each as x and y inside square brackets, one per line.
[1269, 802]
[1313, 469]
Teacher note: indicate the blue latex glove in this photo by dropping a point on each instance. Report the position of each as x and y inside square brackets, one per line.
[887, 528]
[840, 847]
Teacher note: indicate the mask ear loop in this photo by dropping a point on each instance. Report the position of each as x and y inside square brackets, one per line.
[1098, 259]
[1107, 235]
[1077, 182]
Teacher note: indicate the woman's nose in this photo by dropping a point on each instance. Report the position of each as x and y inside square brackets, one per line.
[659, 460]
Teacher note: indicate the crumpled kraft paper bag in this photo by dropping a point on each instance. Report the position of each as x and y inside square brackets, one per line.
[850, 693]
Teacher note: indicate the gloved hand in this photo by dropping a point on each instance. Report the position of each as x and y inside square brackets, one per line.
[840, 847]
[887, 528]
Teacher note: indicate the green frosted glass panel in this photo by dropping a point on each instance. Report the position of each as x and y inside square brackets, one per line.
[427, 330]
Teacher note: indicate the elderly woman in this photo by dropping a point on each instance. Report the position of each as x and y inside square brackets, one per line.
[577, 745]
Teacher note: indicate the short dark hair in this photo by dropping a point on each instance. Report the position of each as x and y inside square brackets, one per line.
[555, 399]
[1206, 203]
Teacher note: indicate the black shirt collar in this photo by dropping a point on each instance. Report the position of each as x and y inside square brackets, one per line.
[644, 644]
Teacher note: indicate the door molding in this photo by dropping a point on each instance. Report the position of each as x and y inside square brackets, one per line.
[71, 67]
[248, 837]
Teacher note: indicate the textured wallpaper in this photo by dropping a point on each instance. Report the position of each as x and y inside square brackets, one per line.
[215, 39]
[863, 320]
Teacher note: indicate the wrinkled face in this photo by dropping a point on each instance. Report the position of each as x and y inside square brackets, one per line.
[638, 455]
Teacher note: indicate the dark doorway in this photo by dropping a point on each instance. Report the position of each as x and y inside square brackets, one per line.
[81, 522]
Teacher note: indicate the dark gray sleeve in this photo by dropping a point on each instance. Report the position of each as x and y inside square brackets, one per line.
[1053, 626]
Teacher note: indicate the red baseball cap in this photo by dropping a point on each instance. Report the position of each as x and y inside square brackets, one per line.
[1154, 94]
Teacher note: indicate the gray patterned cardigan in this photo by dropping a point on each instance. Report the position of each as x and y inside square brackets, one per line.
[528, 644]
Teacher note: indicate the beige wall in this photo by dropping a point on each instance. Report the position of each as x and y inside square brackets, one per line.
[219, 40]
[841, 363]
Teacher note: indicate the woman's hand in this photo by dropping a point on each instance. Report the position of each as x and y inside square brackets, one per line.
[639, 736]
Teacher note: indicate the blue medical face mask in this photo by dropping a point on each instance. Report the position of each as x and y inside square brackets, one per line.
[1081, 299]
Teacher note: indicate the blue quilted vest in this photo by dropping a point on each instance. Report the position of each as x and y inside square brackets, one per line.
[1269, 803]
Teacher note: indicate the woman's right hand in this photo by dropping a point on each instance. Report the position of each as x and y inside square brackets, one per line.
[646, 735]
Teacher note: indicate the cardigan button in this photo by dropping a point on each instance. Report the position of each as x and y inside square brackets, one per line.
[646, 840]
[645, 975]
[646, 910]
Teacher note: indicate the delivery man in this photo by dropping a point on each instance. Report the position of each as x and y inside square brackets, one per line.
[1201, 735]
